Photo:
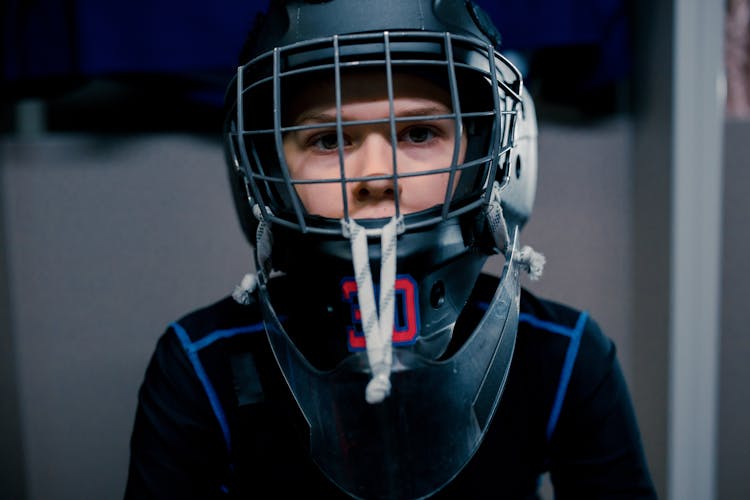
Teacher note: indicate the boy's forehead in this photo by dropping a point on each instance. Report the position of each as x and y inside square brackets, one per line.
[361, 86]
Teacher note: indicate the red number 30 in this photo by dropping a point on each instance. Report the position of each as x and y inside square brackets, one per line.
[406, 312]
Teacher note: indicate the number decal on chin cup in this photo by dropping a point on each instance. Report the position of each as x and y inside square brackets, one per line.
[406, 312]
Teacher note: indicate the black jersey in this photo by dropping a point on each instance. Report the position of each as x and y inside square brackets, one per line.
[208, 423]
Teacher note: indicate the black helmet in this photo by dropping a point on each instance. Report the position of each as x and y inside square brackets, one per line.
[428, 260]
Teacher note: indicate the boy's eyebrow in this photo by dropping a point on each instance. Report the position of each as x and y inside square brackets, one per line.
[317, 117]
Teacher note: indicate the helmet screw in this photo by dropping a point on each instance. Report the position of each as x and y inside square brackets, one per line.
[437, 294]
[518, 167]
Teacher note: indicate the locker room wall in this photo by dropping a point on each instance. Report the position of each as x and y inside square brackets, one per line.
[108, 239]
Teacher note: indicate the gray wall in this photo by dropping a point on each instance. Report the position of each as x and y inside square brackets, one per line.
[581, 222]
[109, 239]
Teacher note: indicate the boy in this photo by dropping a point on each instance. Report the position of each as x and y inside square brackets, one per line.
[379, 152]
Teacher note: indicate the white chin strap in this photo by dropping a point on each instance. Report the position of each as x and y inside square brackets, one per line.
[377, 323]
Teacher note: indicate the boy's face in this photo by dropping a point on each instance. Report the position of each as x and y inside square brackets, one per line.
[421, 145]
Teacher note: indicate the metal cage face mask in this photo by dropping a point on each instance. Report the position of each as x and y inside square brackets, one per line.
[482, 95]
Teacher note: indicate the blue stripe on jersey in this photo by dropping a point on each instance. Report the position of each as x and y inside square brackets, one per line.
[575, 334]
[192, 348]
[223, 334]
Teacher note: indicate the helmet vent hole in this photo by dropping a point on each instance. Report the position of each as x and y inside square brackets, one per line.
[518, 167]
[437, 294]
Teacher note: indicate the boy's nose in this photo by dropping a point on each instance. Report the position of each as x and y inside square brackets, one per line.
[374, 190]
[374, 158]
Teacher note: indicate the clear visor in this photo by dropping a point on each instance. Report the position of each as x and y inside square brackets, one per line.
[422, 435]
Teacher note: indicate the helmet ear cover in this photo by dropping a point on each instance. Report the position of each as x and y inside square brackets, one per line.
[520, 190]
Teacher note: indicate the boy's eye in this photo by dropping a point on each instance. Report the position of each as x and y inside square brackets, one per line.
[418, 134]
[326, 142]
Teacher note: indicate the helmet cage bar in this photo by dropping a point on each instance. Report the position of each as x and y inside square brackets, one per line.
[340, 128]
[337, 180]
[278, 140]
[392, 127]
[232, 140]
[509, 90]
[511, 86]
[241, 146]
[397, 119]
[458, 129]
[495, 124]
[281, 205]
[250, 188]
